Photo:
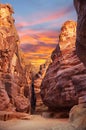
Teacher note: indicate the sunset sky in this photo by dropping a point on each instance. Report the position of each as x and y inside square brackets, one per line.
[38, 23]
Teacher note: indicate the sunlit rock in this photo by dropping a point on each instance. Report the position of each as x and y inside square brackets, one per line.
[64, 81]
[13, 79]
[37, 83]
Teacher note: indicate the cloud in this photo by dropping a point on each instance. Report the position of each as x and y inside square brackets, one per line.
[40, 48]
[28, 39]
[37, 44]
[43, 17]
[37, 54]
[55, 15]
[48, 37]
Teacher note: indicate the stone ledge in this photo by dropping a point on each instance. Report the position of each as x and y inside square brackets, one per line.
[4, 116]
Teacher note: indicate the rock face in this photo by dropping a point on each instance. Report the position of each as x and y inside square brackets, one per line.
[64, 84]
[37, 83]
[77, 117]
[81, 29]
[4, 115]
[80, 7]
[77, 114]
[13, 79]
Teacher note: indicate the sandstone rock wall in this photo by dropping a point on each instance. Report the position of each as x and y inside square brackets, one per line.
[13, 79]
[37, 84]
[81, 29]
[77, 114]
[64, 83]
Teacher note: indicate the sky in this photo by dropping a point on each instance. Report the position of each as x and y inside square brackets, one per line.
[38, 23]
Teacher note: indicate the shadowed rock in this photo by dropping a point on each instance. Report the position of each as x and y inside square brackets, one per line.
[80, 6]
[37, 83]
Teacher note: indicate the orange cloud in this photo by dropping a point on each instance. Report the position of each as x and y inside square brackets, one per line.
[48, 40]
[28, 39]
[37, 54]
[33, 36]
[38, 44]
[38, 47]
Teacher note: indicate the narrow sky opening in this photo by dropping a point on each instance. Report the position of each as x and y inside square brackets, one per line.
[38, 23]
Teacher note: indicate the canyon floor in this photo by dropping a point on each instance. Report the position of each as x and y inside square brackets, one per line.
[36, 122]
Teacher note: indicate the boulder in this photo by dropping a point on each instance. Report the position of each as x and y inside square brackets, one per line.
[77, 117]
[21, 104]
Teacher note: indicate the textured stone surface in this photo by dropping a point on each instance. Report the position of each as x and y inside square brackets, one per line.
[13, 79]
[77, 117]
[81, 29]
[21, 104]
[80, 7]
[4, 116]
[77, 114]
[37, 83]
[4, 99]
[64, 81]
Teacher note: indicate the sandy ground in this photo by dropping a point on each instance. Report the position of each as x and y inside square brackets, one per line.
[36, 122]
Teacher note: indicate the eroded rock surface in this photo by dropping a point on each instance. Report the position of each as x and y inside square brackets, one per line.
[64, 83]
[13, 79]
[77, 116]
[37, 83]
[81, 29]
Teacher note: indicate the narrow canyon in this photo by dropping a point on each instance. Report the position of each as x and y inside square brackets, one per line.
[54, 98]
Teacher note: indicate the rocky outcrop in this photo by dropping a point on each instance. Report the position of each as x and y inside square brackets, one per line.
[13, 79]
[64, 83]
[4, 116]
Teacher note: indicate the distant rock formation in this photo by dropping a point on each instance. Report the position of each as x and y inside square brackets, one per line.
[13, 80]
[37, 83]
[64, 84]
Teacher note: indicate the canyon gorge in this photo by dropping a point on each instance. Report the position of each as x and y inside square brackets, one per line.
[60, 84]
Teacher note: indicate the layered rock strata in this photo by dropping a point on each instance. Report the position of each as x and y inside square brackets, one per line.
[37, 83]
[64, 83]
[77, 114]
[13, 79]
